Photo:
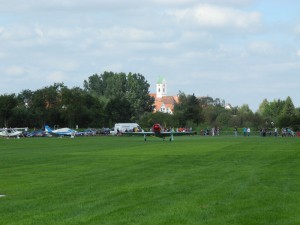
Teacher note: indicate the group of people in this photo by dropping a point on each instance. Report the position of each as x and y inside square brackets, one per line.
[287, 132]
[215, 131]
[246, 131]
[267, 132]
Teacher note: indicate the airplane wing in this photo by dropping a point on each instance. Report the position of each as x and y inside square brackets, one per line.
[139, 133]
[168, 133]
[178, 133]
[161, 134]
[158, 131]
[143, 133]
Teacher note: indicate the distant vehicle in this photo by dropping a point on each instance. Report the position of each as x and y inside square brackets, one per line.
[105, 131]
[10, 132]
[61, 132]
[158, 131]
[126, 127]
[86, 132]
[37, 133]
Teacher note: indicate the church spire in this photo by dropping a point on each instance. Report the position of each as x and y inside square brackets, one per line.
[161, 87]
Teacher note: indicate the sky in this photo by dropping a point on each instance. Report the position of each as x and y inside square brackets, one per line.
[242, 51]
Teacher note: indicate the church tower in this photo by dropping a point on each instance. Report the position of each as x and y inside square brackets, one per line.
[161, 87]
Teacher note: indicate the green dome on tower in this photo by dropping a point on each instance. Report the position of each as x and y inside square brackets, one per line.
[161, 80]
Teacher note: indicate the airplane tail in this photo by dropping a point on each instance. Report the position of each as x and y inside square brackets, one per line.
[48, 129]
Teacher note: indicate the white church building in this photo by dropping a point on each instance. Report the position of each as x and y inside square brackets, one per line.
[163, 102]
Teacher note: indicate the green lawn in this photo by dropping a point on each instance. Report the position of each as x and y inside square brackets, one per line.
[124, 180]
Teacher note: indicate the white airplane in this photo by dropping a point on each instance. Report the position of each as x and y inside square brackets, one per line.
[10, 132]
[61, 132]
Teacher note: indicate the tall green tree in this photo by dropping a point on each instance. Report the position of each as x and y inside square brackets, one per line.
[108, 84]
[94, 85]
[223, 119]
[132, 87]
[246, 115]
[271, 111]
[23, 115]
[289, 114]
[73, 107]
[7, 103]
[188, 109]
[81, 108]
[193, 110]
[263, 109]
[138, 94]
[118, 110]
[47, 105]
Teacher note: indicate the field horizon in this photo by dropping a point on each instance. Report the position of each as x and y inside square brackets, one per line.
[125, 180]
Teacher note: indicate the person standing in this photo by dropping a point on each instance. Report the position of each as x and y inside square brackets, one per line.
[235, 131]
[248, 131]
[276, 132]
[245, 131]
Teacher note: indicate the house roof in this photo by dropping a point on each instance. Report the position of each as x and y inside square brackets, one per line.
[153, 95]
[158, 106]
[167, 101]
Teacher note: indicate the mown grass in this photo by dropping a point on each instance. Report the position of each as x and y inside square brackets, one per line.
[124, 180]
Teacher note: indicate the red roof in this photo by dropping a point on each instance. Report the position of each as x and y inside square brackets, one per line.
[168, 101]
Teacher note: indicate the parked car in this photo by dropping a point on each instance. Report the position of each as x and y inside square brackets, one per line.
[105, 131]
[87, 132]
[37, 133]
[112, 131]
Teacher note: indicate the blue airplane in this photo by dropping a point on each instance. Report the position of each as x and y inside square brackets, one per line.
[61, 132]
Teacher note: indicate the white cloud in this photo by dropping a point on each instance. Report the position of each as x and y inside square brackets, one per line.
[15, 71]
[172, 2]
[262, 47]
[70, 5]
[116, 67]
[125, 33]
[16, 32]
[219, 17]
[56, 77]
[104, 6]
[62, 32]
[236, 3]
[39, 32]
[2, 55]
[297, 29]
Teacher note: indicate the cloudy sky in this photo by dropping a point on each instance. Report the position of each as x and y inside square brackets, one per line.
[242, 51]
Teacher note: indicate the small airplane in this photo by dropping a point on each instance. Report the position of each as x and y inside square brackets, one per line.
[61, 132]
[158, 131]
[10, 132]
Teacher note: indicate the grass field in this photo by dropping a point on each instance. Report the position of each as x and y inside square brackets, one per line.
[124, 180]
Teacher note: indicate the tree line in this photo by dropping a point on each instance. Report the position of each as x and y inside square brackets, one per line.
[207, 112]
[109, 98]
[104, 100]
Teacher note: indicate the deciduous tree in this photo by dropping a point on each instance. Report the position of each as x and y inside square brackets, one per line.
[7, 104]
